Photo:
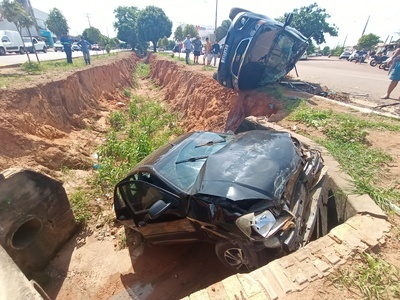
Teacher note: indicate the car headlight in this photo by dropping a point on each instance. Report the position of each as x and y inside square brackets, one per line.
[260, 224]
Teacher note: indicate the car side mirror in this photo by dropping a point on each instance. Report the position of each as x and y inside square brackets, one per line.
[288, 20]
[158, 208]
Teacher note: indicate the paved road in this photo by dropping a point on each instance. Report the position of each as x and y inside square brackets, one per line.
[12, 58]
[360, 80]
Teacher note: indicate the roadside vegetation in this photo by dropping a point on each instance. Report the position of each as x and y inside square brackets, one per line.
[345, 137]
[369, 278]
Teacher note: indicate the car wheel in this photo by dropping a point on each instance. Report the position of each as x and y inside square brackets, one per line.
[232, 256]
[234, 11]
[44, 49]
[2, 51]
[21, 50]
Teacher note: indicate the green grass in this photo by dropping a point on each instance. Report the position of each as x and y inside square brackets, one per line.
[372, 277]
[135, 133]
[80, 206]
[345, 137]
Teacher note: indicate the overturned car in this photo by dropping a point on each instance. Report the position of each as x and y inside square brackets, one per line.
[258, 50]
[249, 193]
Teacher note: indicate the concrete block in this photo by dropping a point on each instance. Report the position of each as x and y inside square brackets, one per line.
[363, 204]
[285, 284]
[233, 288]
[250, 286]
[36, 219]
[269, 284]
[322, 266]
[217, 291]
[259, 296]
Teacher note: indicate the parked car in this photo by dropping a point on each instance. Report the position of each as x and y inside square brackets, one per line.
[95, 47]
[246, 192]
[75, 47]
[345, 55]
[353, 55]
[258, 50]
[39, 45]
[58, 46]
[10, 41]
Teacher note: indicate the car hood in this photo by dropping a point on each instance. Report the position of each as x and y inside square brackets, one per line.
[256, 165]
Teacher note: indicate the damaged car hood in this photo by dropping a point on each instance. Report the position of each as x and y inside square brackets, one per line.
[255, 165]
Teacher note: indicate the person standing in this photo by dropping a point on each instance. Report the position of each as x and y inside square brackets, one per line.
[197, 45]
[188, 47]
[394, 62]
[215, 50]
[207, 52]
[66, 42]
[85, 49]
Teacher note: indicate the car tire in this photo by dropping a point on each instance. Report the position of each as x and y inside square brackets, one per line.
[2, 51]
[234, 11]
[232, 256]
[21, 50]
[44, 50]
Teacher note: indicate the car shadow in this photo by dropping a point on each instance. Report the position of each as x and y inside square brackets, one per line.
[171, 272]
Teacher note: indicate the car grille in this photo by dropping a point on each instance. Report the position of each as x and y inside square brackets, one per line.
[240, 51]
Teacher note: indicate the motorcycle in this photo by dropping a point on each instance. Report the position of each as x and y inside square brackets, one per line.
[360, 58]
[377, 60]
[384, 65]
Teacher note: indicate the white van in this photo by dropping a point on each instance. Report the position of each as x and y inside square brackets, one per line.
[10, 41]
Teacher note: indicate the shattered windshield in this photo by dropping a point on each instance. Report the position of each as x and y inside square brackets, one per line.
[268, 58]
[183, 165]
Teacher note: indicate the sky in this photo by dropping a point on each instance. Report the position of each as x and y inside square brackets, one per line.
[349, 16]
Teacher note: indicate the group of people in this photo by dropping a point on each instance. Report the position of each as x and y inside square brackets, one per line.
[211, 51]
[82, 43]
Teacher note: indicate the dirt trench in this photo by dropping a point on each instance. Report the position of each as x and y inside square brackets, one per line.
[53, 124]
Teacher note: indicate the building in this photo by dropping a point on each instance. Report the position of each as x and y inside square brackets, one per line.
[43, 34]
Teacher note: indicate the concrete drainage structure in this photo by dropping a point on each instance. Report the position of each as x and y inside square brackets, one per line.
[35, 222]
[364, 227]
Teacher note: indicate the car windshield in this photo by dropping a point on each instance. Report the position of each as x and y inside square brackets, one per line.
[183, 163]
[27, 40]
[270, 57]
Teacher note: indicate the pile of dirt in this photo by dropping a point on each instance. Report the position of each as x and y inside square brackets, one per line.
[43, 118]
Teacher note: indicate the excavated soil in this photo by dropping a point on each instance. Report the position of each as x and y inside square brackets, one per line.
[53, 125]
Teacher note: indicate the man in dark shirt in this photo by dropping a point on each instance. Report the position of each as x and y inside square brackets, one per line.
[215, 50]
[85, 49]
[66, 42]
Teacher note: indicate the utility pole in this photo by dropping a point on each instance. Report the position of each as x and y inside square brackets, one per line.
[88, 18]
[344, 43]
[365, 27]
[216, 14]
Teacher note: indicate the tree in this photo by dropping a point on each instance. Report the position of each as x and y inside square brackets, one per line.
[368, 41]
[178, 34]
[190, 29]
[153, 24]
[56, 22]
[14, 12]
[311, 22]
[92, 35]
[222, 30]
[126, 24]
[326, 50]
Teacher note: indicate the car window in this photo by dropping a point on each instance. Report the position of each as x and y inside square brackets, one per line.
[5, 39]
[138, 194]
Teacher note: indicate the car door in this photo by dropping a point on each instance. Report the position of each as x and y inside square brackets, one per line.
[7, 43]
[134, 197]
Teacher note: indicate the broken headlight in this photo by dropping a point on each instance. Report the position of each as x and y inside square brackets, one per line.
[260, 224]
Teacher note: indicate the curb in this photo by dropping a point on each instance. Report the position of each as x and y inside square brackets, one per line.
[365, 228]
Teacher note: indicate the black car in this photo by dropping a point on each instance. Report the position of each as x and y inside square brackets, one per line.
[245, 192]
[258, 50]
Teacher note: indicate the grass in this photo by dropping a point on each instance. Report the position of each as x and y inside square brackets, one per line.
[372, 277]
[345, 137]
[135, 133]
[80, 206]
